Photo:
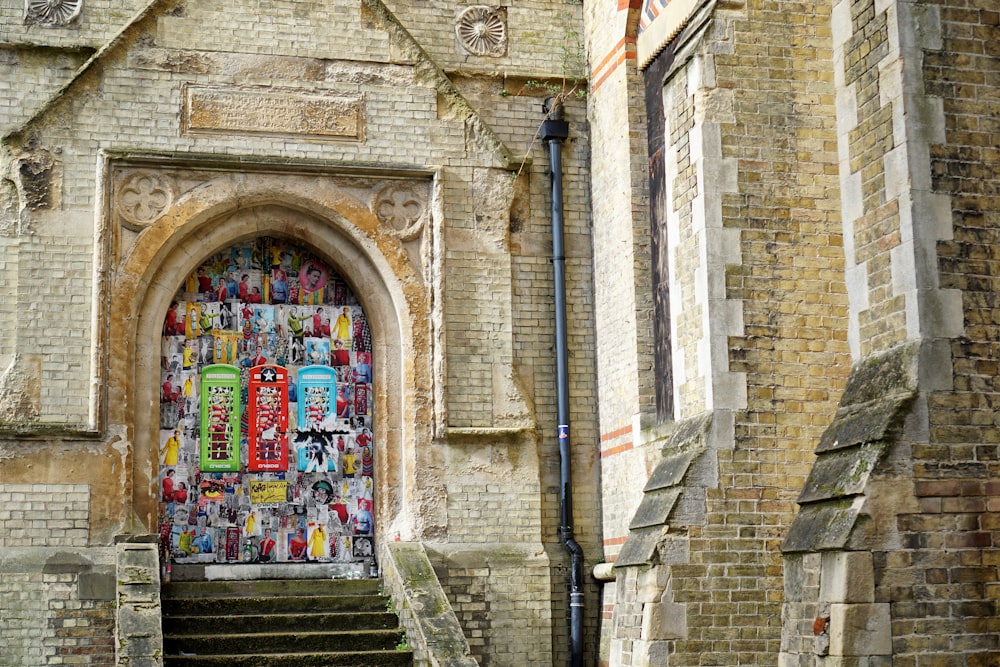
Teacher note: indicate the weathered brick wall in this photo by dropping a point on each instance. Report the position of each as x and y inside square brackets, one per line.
[793, 349]
[534, 336]
[759, 328]
[623, 297]
[485, 266]
[98, 21]
[949, 547]
[508, 491]
[36, 59]
[36, 74]
[687, 302]
[500, 622]
[56, 595]
[918, 173]
[622, 280]
[540, 31]
[881, 324]
[44, 515]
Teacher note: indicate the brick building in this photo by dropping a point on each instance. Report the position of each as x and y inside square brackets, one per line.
[771, 431]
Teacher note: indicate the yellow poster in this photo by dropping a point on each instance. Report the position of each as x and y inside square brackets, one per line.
[263, 493]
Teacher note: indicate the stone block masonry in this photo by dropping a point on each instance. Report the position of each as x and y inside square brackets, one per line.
[288, 123]
[759, 317]
[782, 389]
[39, 515]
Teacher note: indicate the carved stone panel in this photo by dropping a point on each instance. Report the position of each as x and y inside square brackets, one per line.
[267, 111]
[141, 197]
[400, 208]
[141, 194]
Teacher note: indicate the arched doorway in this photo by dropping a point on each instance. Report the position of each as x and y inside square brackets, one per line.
[215, 210]
[266, 448]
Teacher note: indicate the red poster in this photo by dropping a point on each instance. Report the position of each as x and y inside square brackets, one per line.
[232, 544]
[268, 419]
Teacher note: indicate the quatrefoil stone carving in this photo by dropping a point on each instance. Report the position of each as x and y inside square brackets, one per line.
[400, 208]
[142, 198]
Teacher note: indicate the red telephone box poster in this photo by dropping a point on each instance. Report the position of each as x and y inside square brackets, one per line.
[267, 403]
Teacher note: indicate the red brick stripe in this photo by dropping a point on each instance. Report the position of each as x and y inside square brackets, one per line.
[624, 430]
[621, 52]
[611, 451]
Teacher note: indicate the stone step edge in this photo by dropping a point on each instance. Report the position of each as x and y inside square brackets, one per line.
[300, 633]
[239, 658]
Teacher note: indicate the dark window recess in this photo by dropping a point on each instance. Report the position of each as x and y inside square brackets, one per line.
[655, 132]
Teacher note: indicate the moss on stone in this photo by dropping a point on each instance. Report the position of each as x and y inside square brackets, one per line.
[885, 375]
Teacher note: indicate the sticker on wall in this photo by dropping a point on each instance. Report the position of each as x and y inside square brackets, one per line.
[315, 451]
[317, 388]
[297, 545]
[313, 277]
[220, 418]
[319, 542]
[267, 404]
[268, 492]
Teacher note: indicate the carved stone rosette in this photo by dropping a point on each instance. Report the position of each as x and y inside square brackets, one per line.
[142, 197]
[482, 30]
[400, 208]
[51, 12]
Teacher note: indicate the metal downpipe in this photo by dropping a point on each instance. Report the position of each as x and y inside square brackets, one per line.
[554, 130]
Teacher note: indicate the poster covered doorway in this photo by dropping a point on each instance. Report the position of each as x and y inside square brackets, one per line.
[265, 426]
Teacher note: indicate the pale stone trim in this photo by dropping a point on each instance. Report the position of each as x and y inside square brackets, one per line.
[717, 248]
[924, 216]
[664, 28]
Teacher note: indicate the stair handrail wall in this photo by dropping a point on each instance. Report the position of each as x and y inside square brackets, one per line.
[432, 629]
[138, 634]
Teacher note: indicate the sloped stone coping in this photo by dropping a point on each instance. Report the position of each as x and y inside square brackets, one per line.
[432, 628]
[879, 395]
[686, 442]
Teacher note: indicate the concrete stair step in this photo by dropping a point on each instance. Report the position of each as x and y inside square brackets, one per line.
[271, 605]
[332, 622]
[355, 659]
[278, 642]
[282, 622]
[265, 587]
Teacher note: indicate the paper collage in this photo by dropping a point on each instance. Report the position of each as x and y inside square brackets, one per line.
[266, 450]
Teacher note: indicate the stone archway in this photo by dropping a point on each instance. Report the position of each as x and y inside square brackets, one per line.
[336, 224]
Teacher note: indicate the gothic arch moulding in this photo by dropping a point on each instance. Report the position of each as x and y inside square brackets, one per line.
[332, 217]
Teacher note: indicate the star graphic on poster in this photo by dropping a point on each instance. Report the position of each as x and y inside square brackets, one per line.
[268, 375]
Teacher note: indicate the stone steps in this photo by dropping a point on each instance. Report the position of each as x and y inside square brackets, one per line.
[193, 624]
[355, 659]
[280, 622]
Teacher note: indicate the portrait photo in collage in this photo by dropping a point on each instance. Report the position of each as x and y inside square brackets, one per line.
[265, 447]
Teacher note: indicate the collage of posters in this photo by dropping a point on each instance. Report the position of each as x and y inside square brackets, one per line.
[266, 450]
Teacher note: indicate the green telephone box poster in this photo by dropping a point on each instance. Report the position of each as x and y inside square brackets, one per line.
[220, 418]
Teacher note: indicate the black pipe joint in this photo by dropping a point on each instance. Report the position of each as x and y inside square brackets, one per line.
[554, 130]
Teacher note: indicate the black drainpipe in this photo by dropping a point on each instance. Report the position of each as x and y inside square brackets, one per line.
[554, 130]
